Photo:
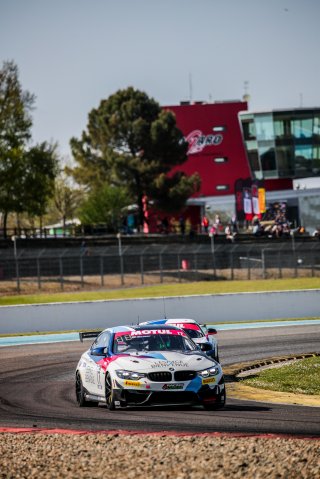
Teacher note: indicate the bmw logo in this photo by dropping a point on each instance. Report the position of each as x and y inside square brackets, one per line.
[171, 369]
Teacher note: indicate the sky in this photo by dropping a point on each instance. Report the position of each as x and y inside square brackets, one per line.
[71, 54]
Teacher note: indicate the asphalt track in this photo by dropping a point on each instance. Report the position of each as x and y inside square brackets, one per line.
[37, 390]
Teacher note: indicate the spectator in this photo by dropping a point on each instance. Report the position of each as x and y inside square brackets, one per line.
[228, 232]
[165, 225]
[217, 220]
[234, 224]
[257, 228]
[182, 225]
[213, 230]
[205, 224]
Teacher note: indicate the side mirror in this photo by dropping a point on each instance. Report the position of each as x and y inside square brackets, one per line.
[205, 347]
[212, 331]
[99, 351]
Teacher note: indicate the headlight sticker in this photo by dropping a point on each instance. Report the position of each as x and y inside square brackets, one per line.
[208, 380]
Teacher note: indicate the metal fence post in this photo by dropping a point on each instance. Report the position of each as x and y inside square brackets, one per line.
[17, 275]
[141, 269]
[101, 271]
[81, 271]
[38, 273]
[195, 262]
[279, 265]
[212, 254]
[61, 272]
[263, 264]
[120, 257]
[160, 268]
[231, 266]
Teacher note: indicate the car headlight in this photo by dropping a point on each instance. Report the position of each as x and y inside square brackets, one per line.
[123, 374]
[209, 372]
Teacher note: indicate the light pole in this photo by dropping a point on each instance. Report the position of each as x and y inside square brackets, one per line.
[212, 241]
[119, 244]
[14, 239]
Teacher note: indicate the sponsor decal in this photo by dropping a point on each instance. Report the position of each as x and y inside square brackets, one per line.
[99, 378]
[197, 141]
[167, 387]
[136, 384]
[208, 381]
[166, 364]
[89, 376]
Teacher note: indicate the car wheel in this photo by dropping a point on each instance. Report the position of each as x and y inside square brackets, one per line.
[109, 393]
[220, 403]
[80, 393]
[217, 356]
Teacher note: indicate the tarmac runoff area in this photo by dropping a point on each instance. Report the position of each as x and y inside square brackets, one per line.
[237, 390]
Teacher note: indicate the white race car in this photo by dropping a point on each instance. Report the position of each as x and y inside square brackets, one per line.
[147, 366]
[199, 333]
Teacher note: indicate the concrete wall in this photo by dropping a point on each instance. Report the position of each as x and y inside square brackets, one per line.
[206, 308]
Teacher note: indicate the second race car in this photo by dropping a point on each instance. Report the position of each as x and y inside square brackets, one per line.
[199, 333]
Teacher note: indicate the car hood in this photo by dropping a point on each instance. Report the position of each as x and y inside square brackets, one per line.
[163, 361]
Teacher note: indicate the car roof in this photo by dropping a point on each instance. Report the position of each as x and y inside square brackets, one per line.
[181, 320]
[172, 321]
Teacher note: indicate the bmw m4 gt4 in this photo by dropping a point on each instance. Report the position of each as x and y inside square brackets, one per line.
[148, 365]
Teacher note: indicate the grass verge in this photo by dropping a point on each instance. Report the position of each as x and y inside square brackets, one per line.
[183, 289]
[302, 377]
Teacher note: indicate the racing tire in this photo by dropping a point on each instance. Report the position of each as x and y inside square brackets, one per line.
[217, 404]
[109, 393]
[80, 393]
[217, 356]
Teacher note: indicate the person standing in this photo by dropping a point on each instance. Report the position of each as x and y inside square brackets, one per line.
[205, 224]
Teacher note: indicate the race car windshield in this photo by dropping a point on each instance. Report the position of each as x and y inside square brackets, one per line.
[160, 342]
[193, 333]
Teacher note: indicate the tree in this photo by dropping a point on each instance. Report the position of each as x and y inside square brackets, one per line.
[40, 170]
[131, 141]
[104, 206]
[15, 125]
[66, 198]
[26, 174]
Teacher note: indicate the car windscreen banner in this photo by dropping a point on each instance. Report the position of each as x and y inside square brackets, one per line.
[151, 332]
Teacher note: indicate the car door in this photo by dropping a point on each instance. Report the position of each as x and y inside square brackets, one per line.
[95, 375]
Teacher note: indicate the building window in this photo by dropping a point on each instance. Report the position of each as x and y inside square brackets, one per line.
[222, 187]
[220, 159]
[219, 128]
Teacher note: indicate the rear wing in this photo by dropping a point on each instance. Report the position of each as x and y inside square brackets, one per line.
[89, 334]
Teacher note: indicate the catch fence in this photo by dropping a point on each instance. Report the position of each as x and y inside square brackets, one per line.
[72, 269]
